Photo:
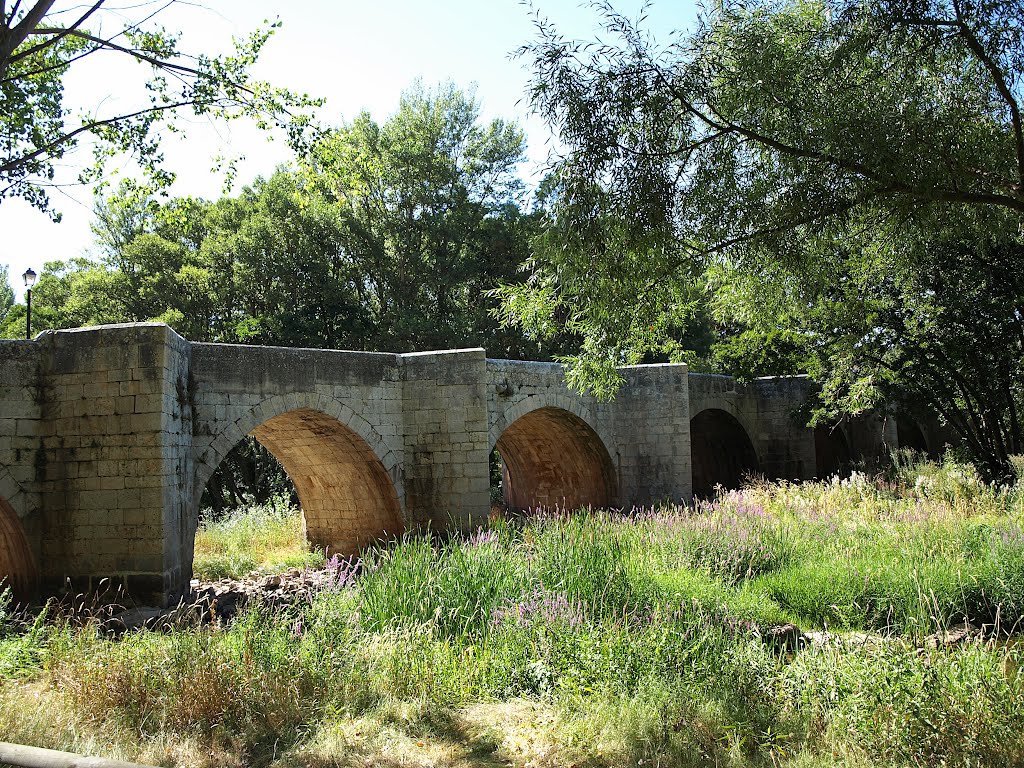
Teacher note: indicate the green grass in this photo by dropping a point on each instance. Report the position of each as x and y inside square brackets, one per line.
[591, 639]
[265, 537]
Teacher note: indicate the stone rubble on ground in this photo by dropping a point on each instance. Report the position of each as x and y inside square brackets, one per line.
[220, 600]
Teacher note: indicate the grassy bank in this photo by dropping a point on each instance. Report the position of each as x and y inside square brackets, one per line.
[590, 640]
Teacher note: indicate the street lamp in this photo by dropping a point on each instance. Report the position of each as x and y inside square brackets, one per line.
[30, 279]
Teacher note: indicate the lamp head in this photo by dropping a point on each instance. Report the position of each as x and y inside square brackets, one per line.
[29, 277]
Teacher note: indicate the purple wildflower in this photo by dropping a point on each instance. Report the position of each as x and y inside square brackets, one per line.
[539, 607]
[482, 537]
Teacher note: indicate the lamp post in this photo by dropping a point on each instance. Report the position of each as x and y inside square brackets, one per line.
[30, 279]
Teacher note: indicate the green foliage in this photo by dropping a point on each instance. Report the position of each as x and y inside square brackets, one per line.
[454, 589]
[247, 693]
[6, 295]
[757, 351]
[631, 637]
[21, 652]
[41, 46]
[386, 239]
[847, 170]
[589, 565]
[428, 203]
[248, 475]
[914, 708]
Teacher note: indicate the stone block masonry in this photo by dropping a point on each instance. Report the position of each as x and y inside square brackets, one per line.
[109, 435]
[20, 452]
[444, 438]
[112, 464]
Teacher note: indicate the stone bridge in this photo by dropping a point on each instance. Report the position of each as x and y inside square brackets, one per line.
[109, 435]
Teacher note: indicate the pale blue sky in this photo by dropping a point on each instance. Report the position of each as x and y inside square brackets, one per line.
[358, 55]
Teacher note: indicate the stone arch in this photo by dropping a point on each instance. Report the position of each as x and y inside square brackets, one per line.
[721, 452]
[345, 475]
[11, 490]
[553, 457]
[17, 565]
[832, 454]
[910, 435]
[539, 401]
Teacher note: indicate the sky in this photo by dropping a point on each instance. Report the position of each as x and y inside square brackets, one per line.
[356, 55]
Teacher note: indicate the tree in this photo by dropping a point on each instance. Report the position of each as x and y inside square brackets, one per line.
[931, 324]
[387, 239]
[42, 41]
[429, 206]
[68, 295]
[776, 144]
[261, 267]
[6, 294]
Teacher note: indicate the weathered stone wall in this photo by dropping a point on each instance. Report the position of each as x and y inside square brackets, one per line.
[652, 435]
[20, 454]
[768, 409]
[557, 446]
[444, 412]
[236, 388]
[333, 419]
[20, 412]
[784, 442]
[112, 463]
[644, 432]
[109, 435]
[517, 387]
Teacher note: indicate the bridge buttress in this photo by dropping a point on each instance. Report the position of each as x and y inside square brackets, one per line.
[652, 435]
[444, 397]
[114, 468]
[784, 442]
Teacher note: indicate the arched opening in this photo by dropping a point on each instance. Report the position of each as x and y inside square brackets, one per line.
[720, 451]
[551, 458]
[17, 566]
[831, 451]
[248, 475]
[347, 498]
[909, 435]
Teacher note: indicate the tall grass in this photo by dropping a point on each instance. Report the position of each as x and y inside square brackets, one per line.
[267, 537]
[635, 639]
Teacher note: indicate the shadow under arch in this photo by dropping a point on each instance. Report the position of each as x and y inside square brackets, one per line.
[721, 452]
[17, 565]
[347, 496]
[552, 458]
[909, 435]
[831, 452]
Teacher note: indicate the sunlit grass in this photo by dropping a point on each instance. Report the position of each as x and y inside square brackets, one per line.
[267, 537]
[594, 639]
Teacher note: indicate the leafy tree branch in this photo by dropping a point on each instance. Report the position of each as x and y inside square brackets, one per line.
[37, 128]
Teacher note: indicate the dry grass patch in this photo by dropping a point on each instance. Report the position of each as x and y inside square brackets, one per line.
[512, 734]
